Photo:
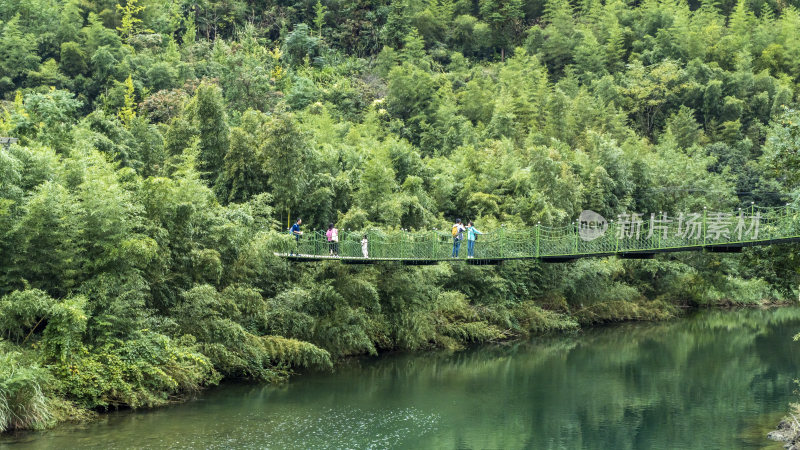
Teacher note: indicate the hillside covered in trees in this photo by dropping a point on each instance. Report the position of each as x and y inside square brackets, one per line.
[164, 144]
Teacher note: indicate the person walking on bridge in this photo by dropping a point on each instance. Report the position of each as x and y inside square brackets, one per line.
[333, 240]
[295, 230]
[365, 247]
[471, 233]
[458, 236]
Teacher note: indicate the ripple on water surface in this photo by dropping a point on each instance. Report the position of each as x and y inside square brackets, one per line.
[335, 428]
[340, 428]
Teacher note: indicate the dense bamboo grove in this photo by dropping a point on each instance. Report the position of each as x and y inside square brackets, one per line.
[164, 145]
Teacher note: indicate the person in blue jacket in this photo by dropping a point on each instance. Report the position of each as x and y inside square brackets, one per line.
[471, 233]
[295, 230]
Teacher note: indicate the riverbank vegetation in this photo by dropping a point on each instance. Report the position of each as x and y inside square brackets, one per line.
[164, 146]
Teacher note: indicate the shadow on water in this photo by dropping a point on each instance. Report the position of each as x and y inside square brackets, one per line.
[717, 379]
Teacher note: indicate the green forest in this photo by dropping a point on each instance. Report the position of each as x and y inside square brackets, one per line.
[164, 146]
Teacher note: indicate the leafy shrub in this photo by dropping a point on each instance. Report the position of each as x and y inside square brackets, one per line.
[619, 310]
[148, 370]
[23, 311]
[530, 318]
[753, 291]
[216, 319]
[65, 327]
[300, 44]
[455, 318]
[302, 93]
[296, 353]
[23, 403]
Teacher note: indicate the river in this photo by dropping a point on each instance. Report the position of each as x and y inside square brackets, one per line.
[715, 379]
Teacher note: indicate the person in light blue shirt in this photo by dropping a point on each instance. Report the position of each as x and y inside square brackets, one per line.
[471, 233]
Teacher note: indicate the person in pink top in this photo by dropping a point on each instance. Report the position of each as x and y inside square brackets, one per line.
[333, 240]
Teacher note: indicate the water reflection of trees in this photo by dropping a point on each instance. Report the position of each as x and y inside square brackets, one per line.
[626, 386]
[694, 382]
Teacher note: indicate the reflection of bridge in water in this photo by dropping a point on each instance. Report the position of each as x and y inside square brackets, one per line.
[630, 236]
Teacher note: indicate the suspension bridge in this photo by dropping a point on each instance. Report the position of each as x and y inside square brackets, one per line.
[630, 235]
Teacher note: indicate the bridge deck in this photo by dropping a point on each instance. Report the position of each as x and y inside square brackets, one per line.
[638, 254]
[717, 232]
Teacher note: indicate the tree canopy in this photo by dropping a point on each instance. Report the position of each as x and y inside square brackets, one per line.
[164, 147]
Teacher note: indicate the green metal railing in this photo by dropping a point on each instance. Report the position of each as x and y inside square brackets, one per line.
[752, 226]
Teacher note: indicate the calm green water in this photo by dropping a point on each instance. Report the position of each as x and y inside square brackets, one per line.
[718, 379]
